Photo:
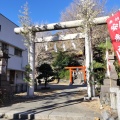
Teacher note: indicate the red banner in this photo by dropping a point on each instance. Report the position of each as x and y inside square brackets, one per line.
[113, 23]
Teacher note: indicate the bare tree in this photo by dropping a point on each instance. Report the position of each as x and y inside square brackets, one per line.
[40, 47]
[85, 10]
[25, 21]
[29, 41]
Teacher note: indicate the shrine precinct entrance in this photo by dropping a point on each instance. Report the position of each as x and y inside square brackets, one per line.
[59, 26]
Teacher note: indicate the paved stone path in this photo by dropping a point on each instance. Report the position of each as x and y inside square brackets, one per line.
[61, 102]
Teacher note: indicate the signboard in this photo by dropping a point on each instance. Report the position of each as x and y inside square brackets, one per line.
[113, 23]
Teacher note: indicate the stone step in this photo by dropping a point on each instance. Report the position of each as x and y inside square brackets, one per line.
[113, 73]
[105, 89]
[47, 115]
[106, 82]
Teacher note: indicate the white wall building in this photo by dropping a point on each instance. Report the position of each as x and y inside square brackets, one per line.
[16, 51]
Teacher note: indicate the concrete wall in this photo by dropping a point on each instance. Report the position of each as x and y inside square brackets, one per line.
[13, 40]
[17, 62]
[7, 33]
[24, 58]
[8, 36]
[19, 77]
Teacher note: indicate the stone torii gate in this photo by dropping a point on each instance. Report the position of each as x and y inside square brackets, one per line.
[60, 26]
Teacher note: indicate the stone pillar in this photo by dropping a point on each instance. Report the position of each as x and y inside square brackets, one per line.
[118, 103]
[113, 99]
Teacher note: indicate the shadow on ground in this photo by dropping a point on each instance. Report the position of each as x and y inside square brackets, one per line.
[58, 92]
[55, 91]
[30, 114]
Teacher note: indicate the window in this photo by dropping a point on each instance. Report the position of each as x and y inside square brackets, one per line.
[0, 27]
[18, 52]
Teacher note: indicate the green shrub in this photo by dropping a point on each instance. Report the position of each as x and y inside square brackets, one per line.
[64, 74]
[67, 75]
[62, 60]
[61, 74]
[117, 67]
[27, 72]
[99, 64]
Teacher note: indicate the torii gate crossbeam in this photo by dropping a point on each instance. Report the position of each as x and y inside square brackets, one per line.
[60, 37]
[60, 25]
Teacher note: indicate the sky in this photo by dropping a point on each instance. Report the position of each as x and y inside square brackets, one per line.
[42, 11]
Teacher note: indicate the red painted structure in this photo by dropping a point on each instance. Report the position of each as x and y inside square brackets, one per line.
[80, 68]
